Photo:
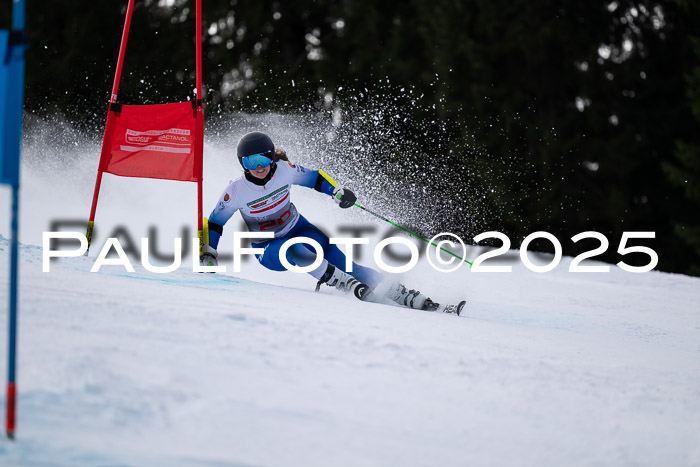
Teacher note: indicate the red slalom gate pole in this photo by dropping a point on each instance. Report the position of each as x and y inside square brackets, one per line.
[199, 50]
[107, 134]
[199, 137]
[122, 52]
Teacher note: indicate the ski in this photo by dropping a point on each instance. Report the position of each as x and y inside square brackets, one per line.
[438, 308]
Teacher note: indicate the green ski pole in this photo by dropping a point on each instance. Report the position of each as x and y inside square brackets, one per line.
[332, 182]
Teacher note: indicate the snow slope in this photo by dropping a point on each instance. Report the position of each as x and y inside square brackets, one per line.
[255, 369]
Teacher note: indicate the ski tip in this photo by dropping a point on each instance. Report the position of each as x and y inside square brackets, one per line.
[460, 306]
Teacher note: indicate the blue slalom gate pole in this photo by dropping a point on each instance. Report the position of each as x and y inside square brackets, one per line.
[11, 104]
[12, 338]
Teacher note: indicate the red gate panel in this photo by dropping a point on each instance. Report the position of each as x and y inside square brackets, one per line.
[152, 141]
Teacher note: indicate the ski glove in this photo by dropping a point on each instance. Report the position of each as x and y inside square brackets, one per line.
[208, 257]
[344, 197]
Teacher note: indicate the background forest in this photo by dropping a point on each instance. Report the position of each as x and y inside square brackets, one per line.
[563, 116]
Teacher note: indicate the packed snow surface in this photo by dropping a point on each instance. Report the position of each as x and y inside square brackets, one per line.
[256, 369]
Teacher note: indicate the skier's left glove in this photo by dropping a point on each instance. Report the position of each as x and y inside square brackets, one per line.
[344, 197]
[209, 256]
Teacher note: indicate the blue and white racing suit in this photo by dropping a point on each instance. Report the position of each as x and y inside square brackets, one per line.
[268, 208]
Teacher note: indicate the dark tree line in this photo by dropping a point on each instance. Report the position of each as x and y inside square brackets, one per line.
[576, 115]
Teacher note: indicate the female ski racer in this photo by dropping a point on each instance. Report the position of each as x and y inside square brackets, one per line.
[262, 195]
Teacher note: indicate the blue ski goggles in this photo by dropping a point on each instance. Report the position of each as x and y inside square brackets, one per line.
[254, 160]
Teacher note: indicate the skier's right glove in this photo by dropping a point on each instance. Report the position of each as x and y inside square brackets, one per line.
[344, 197]
[209, 256]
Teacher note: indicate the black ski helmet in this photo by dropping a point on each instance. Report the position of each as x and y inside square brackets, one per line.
[254, 143]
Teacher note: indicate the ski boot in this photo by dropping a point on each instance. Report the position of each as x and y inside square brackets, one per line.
[409, 298]
[334, 277]
[416, 300]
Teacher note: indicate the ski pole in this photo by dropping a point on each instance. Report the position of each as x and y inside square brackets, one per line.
[332, 182]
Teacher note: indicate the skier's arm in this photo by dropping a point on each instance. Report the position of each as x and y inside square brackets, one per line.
[321, 184]
[341, 195]
[310, 179]
[313, 179]
[215, 231]
[225, 208]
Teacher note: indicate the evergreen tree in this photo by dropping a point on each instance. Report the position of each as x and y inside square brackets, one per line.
[684, 169]
[552, 115]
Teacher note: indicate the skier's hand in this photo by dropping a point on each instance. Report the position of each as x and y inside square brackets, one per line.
[208, 257]
[344, 197]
